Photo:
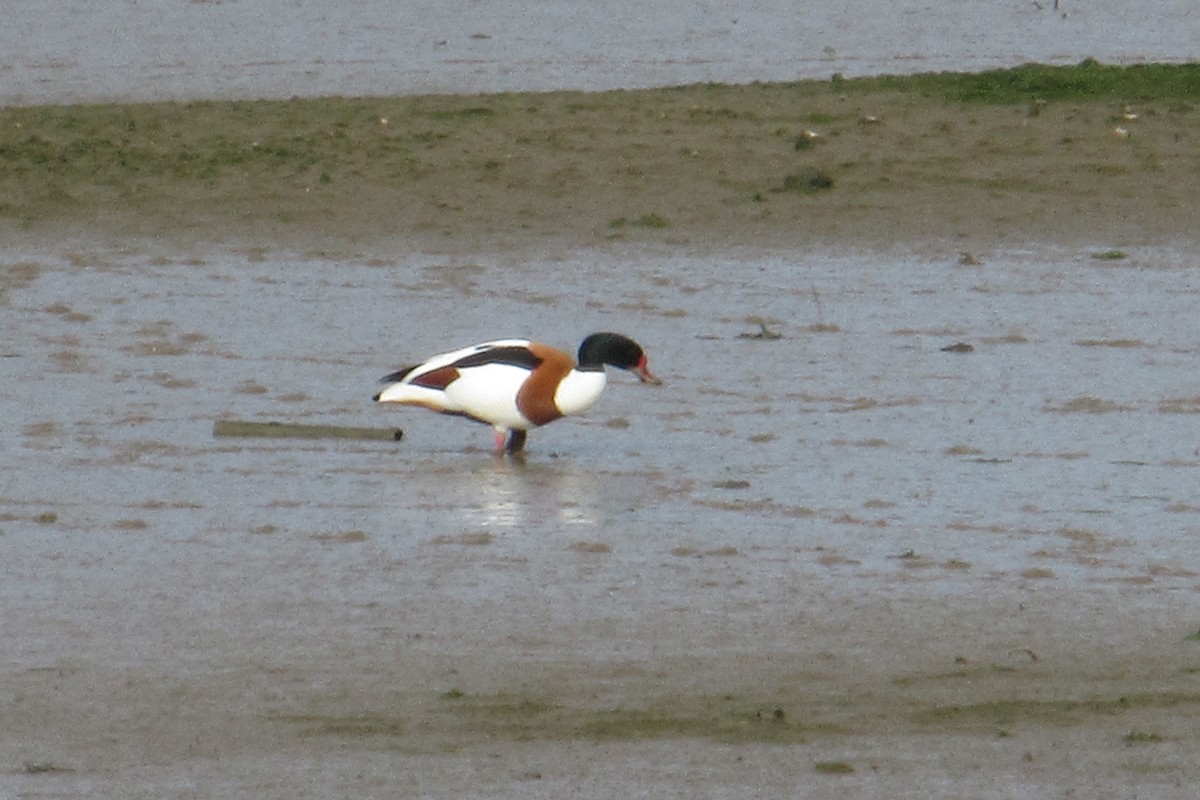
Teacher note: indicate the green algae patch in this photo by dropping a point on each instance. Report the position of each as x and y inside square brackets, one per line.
[1001, 714]
[1033, 151]
[353, 725]
[728, 719]
[726, 725]
[833, 768]
[463, 717]
[1088, 80]
[458, 718]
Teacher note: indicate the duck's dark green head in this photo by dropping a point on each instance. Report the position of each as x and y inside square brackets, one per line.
[617, 351]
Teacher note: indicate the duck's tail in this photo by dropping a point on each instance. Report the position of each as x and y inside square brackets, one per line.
[411, 395]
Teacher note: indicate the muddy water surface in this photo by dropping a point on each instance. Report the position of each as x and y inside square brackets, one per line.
[818, 488]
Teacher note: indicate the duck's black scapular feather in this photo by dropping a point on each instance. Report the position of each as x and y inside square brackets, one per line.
[512, 356]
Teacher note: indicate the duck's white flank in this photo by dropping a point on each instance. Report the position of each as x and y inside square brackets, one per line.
[487, 392]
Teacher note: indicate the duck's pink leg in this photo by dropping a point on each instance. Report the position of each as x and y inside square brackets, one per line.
[501, 436]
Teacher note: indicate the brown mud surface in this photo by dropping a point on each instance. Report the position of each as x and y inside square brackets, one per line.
[380, 676]
[774, 165]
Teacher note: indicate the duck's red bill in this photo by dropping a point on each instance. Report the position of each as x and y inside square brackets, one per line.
[645, 375]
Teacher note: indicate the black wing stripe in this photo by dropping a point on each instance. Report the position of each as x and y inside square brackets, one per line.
[398, 375]
[513, 356]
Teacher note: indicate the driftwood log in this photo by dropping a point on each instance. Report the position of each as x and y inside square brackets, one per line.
[287, 430]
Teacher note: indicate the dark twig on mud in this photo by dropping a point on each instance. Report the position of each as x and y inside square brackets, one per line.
[282, 430]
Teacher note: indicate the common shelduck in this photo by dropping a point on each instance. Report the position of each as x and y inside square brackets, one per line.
[515, 384]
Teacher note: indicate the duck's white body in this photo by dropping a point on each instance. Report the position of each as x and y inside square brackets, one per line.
[489, 392]
[512, 384]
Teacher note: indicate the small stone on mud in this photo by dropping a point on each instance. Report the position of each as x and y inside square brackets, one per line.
[762, 334]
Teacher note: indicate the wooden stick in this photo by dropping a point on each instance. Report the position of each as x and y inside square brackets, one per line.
[287, 430]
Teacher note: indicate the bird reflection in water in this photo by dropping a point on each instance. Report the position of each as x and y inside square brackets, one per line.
[514, 494]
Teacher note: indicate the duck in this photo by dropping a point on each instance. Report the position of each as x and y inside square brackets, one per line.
[515, 384]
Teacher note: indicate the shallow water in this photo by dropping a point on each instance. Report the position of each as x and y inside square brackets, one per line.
[850, 452]
[169, 49]
[845, 515]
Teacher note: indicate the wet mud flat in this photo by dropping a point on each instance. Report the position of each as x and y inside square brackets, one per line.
[900, 521]
[1092, 155]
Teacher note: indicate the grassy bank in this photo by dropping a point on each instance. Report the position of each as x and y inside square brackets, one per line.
[1091, 152]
